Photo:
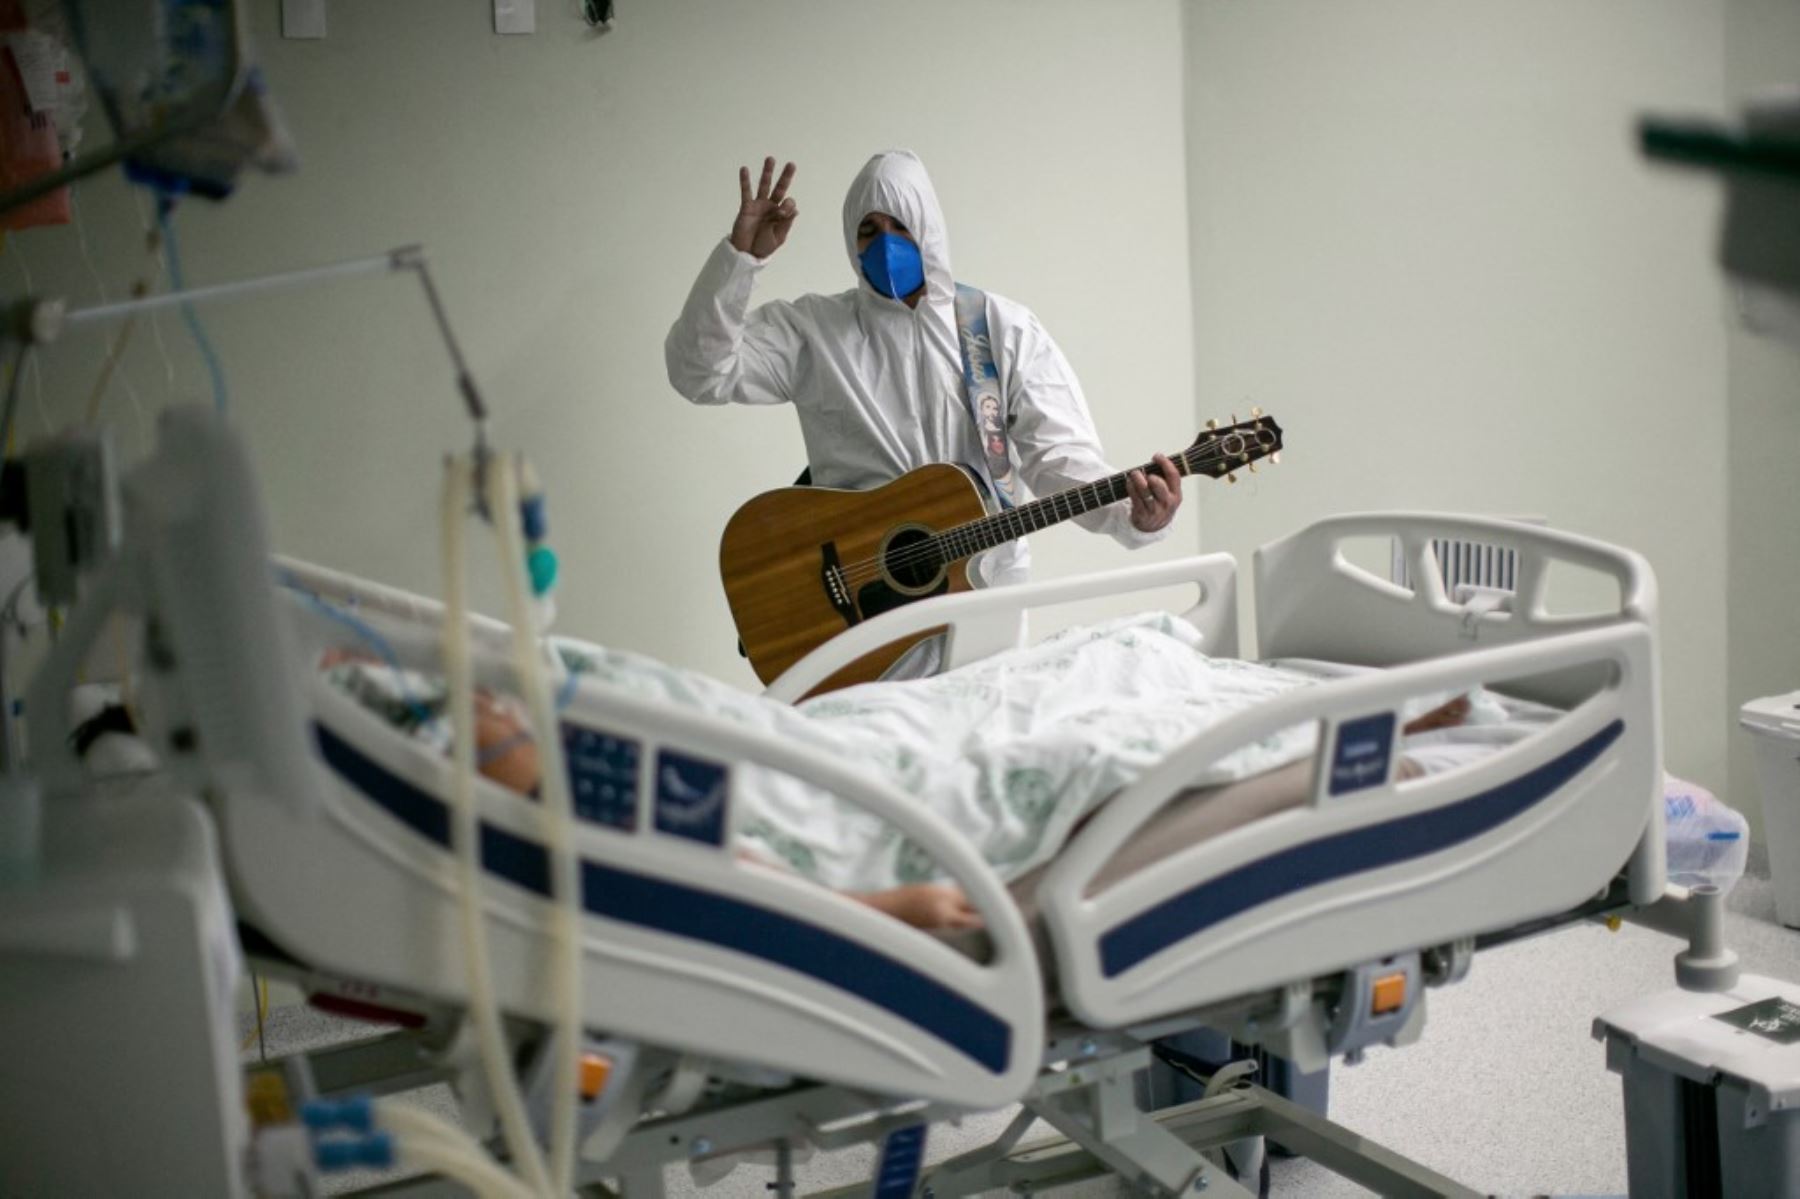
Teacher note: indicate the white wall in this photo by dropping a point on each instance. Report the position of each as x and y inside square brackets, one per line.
[1424, 239]
[568, 187]
[1762, 42]
[1420, 236]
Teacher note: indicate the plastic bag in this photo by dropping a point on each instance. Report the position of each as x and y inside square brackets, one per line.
[35, 82]
[1708, 842]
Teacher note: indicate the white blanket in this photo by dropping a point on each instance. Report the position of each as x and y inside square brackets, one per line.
[1011, 750]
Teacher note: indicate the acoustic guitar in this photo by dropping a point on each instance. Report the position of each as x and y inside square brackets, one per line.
[802, 564]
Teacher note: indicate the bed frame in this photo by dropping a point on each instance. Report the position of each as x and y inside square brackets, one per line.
[743, 990]
[1266, 930]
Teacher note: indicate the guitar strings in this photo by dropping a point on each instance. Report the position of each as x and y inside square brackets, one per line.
[869, 568]
[865, 570]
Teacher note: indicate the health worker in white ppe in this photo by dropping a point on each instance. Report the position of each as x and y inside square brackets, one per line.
[876, 373]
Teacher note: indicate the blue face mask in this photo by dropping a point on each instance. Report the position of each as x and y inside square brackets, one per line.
[892, 266]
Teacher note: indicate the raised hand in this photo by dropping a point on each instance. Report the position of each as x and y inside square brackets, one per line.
[763, 218]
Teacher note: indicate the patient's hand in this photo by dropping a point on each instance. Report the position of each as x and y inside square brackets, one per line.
[925, 905]
[504, 751]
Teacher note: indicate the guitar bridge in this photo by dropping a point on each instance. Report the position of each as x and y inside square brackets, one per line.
[837, 591]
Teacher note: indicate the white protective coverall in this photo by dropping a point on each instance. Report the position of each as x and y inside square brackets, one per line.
[879, 386]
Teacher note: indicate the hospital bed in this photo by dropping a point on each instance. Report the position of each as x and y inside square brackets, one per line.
[739, 1006]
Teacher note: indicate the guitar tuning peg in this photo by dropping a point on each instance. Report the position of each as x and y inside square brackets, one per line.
[1234, 419]
[1212, 424]
[1230, 478]
[1255, 413]
[1253, 468]
[1275, 457]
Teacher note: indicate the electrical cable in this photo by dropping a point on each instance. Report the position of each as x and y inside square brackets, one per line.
[115, 352]
[165, 206]
[7, 428]
[259, 991]
[153, 246]
[262, 1045]
[10, 413]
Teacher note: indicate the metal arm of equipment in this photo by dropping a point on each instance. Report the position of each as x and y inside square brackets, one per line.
[44, 321]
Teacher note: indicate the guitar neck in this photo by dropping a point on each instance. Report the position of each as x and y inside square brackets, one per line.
[1014, 523]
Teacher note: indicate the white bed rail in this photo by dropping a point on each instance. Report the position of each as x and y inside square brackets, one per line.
[332, 609]
[988, 621]
[1312, 602]
[732, 959]
[1387, 866]
[363, 595]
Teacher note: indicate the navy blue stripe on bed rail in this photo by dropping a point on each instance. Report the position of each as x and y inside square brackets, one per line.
[683, 911]
[1330, 858]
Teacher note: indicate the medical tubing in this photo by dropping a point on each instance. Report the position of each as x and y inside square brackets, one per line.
[478, 1172]
[411, 1124]
[483, 1008]
[559, 813]
[367, 632]
[172, 250]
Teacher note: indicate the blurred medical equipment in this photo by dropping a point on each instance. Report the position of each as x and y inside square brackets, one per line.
[1759, 164]
[1711, 1076]
[187, 105]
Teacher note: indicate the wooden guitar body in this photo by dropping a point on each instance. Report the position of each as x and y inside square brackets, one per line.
[802, 564]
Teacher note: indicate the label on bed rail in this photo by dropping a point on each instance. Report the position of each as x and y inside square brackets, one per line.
[690, 797]
[603, 776]
[902, 1155]
[1361, 753]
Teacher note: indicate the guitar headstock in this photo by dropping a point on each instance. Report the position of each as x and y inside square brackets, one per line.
[1221, 451]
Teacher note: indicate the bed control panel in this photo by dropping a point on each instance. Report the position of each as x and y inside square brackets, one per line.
[603, 776]
[1382, 1004]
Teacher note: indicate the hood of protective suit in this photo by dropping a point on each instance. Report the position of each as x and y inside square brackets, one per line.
[895, 182]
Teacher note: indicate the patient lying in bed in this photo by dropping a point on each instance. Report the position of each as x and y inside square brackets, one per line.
[1014, 751]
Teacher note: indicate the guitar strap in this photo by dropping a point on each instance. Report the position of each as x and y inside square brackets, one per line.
[981, 386]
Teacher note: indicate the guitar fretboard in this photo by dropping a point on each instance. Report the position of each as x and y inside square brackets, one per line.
[1014, 523]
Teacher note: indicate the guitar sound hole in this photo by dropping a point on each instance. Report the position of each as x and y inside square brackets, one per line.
[910, 559]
